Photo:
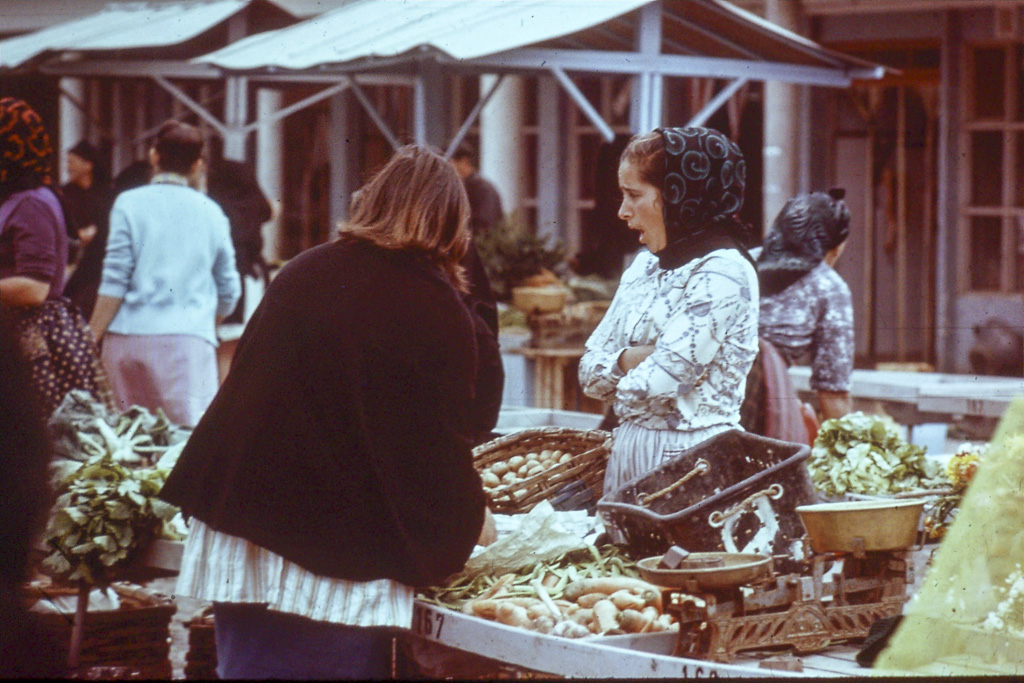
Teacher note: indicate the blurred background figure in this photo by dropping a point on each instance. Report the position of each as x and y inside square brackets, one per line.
[33, 258]
[156, 315]
[233, 185]
[806, 310]
[484, 201]
[135, 174]
[87, 197]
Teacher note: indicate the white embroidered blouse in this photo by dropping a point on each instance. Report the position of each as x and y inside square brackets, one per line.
[702, 320]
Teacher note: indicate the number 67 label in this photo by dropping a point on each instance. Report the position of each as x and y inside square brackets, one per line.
[426, 622]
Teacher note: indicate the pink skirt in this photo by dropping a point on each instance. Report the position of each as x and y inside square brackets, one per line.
[174, 372]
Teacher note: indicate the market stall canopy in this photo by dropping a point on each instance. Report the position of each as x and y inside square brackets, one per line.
[697, 38]
[160, 29]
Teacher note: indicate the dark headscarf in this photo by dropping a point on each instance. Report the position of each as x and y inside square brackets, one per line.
[26, 155]
[87, 151]
[807, 228]
[705, 177]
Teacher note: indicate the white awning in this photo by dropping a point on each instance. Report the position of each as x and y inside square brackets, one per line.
[699, 38]
[125, 26]
[376, 29]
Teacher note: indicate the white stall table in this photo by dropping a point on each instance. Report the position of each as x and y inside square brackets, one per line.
[608, 657]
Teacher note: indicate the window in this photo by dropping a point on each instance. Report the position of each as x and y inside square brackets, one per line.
[992, 219]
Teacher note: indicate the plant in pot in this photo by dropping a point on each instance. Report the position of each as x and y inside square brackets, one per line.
[521, 266]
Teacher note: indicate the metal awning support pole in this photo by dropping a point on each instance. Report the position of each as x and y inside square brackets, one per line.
[473, 116]
[717, 101]
[645, 107]
[382, 126]
[581, 101]
[182, 97]
[297, 106]
[236, 111]
[430, 104]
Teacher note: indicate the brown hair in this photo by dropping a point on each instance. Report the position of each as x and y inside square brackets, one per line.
[416, 202]
[647, 153]
[179, 146]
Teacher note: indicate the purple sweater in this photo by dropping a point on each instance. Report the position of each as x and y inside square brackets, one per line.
[33, 239]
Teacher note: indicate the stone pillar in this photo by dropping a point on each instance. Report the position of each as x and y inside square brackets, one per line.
[782, 107]
[72, 122]
[501, 140]
[269, 149]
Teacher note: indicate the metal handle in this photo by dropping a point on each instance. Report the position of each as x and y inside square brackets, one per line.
[717, 519]
[700, 467]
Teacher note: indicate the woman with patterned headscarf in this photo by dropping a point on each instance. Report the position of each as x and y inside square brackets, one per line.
[806, 307]
[33, 255]
[672, 353]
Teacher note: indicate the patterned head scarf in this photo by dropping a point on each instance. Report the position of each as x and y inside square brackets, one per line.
[807, 228]
[25, 151]
[705, 177]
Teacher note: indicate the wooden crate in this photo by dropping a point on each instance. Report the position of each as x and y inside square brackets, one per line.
[133, 641]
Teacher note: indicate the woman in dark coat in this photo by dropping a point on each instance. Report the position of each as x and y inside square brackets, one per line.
[333, 472]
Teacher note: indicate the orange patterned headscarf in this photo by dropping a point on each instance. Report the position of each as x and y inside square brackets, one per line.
[26, 153]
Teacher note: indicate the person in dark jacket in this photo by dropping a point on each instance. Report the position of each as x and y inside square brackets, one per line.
[484, 201]
[233, 185]
[333, 472]
[88, 197]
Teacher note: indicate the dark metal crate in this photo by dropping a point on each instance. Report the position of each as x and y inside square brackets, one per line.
[735, 492]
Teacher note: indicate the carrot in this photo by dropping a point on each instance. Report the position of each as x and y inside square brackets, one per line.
[570, 629]
[512, 615]
[590, 599]
[500, 586]
[488, 609]
[633, 621]
[538, 610]
[543, 624]
[606, 585]
[607, 615]
[582, 616]
[624, 599]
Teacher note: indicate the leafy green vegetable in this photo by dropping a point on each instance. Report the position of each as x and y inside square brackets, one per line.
[510, 252]
[866, 454]
[83, 428]
[102, 515]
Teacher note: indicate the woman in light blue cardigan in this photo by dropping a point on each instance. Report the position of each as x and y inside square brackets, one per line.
[168, 277]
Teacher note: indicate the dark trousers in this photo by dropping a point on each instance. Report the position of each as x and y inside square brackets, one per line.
[256, 642]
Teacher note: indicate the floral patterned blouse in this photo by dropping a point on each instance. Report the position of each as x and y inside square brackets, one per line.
[814, 315]
[702, 320]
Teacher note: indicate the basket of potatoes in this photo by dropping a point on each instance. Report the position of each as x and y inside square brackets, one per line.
[521, 469]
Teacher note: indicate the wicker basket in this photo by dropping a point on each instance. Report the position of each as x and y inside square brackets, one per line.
[133, 641]
[576, 484]
[201, 658]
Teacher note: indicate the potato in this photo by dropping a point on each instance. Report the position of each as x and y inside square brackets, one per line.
[490, 479]
[566, 457]
[521, 472]
[532, 457]
[536, 469]
[515, 462]
[509, 478]
[500, 468]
